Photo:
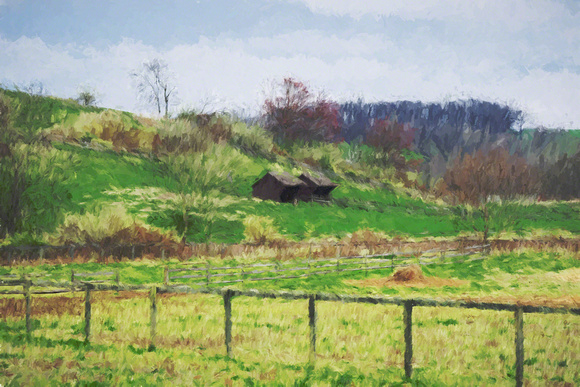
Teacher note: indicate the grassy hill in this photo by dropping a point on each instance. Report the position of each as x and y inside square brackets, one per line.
[191, 178]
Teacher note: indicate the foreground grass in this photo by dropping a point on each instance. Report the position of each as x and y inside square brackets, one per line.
[357, 345]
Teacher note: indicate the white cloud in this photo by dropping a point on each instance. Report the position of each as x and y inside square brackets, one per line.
[512, 12]
[233, 72]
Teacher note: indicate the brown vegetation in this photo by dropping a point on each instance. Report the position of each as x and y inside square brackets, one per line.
[409, 276]
[295, 114]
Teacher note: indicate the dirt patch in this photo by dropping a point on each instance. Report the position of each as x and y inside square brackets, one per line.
[74, 304]
[409, 276]
[55, 305]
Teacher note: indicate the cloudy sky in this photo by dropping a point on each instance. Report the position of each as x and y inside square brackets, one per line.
[228, 53]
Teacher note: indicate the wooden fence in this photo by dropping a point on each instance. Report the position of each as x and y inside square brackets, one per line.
[305, 268]
[228, 294]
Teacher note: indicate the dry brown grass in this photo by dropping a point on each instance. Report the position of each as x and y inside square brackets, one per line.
[362, 242]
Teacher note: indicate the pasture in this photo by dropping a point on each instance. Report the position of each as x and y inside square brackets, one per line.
[357, 344]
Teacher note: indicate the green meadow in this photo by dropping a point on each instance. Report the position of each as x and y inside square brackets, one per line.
[358, 344]
[85, 175]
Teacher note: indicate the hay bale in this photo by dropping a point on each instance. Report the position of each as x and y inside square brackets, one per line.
[408, 274]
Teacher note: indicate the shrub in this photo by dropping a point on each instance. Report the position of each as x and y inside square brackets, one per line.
[252, 140]
[110, 126]
[182, 136]
[110, 225]
[260, 230]
[197, 131]
[325, 156]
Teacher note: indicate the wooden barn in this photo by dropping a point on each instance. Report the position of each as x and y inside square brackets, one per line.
[316, 188]
[281, 187]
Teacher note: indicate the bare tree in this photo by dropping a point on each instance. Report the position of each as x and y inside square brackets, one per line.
[86, 96]
[35, 87]
[154, 84]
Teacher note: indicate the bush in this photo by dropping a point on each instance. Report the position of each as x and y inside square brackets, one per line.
[328, 157]
[110, 225]
[198, 131]
[181, 136]
[260, 230]
[252, 140]
[110, 126]
[31, 195]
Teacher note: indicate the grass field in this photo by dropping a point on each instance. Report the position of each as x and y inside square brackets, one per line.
[357, 344]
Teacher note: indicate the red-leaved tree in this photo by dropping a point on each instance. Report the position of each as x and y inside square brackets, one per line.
[293, 113]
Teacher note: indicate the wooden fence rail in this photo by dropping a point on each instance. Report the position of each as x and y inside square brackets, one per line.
[306, 268]
[228, 294]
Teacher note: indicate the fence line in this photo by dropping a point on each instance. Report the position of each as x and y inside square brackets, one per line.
[311, 267]
[228, 294]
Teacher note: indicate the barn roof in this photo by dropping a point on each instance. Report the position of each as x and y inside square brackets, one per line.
[319, 180]
[284, 178]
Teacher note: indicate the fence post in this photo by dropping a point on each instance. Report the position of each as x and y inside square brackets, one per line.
[133, 252]
[310, 260]
[519, 321]
[72, 276]
[337, 258]
[366, 263]
[408, 321]
[208, 275]
[117, 277]
[28, 304]
[163, 254]
[166, 275]
[312, 324]
[153, 325]
[41, 255]
[87, 313]
[228, 321]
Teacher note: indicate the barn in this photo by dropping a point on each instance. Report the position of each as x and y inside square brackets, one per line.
[315, 188]
[281, 187]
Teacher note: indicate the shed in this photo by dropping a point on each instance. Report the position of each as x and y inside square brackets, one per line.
[281, 187]
[315, 187]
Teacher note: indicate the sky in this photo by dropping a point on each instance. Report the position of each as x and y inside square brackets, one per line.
[230, 54]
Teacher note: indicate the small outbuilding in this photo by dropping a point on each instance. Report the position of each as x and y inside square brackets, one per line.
[281, 187]
[316, 188]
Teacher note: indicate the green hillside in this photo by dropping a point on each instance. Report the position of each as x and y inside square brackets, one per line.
[191, 178]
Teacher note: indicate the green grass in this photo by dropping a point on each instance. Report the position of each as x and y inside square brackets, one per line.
[357, 345]
[143, 183]
[356, 206]
[517, 274]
